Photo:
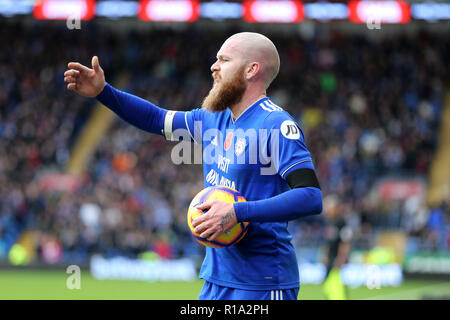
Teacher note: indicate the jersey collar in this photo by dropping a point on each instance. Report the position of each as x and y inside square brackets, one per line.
[245, 112]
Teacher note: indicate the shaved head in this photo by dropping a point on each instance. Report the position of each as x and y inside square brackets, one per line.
[246, 64]
[255, 47]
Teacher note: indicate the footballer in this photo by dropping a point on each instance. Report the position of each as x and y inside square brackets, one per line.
[249, 144]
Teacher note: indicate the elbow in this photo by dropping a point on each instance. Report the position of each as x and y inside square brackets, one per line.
[309, 202]
[317, 205]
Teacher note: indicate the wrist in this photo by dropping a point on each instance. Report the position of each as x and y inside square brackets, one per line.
[241, 211]
[103, 90]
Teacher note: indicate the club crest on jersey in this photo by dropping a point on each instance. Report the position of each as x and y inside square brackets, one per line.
[228, 140]
[240, 145]
[290, 130]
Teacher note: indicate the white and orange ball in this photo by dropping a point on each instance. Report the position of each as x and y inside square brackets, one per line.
[221, 193]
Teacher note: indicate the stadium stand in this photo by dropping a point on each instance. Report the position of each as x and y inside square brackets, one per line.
[368, 110]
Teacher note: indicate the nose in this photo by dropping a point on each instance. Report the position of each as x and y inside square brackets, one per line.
[215, 66]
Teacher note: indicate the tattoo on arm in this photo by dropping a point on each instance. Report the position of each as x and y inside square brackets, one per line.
[225, 220]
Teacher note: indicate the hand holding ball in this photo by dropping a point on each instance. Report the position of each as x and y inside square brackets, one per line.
[221, 193]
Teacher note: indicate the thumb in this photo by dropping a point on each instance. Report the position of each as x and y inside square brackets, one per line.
[95, 64]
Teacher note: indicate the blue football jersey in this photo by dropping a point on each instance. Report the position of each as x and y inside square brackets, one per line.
[252, 154]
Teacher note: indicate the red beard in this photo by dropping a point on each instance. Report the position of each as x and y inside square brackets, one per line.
[225, 94]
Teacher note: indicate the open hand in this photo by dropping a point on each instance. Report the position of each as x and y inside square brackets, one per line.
[85, 81]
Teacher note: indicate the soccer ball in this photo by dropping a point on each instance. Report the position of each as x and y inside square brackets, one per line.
[221, 193]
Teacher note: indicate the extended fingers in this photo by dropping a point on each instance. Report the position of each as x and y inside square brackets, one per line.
[72, 73]
[72, 86]
[71, 76]
[77, 66]
[72, 82]
[70, 79]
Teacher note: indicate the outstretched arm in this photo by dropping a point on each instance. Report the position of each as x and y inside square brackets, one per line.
[136, 111]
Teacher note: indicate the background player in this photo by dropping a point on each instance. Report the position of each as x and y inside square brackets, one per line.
[338, 236]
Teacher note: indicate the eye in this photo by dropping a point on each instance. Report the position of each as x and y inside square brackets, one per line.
[223, 59]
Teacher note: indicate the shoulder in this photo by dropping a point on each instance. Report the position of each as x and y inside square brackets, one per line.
[279, 119]
[203, 114]
[273, 114]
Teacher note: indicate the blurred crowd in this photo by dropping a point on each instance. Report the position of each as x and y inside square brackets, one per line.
[368, 109]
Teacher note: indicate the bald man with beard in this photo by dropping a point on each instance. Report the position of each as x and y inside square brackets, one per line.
[250, 144]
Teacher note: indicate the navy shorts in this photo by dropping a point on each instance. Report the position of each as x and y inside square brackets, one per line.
[211, 291]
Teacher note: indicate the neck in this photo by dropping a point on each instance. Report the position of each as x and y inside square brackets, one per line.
[247, 101]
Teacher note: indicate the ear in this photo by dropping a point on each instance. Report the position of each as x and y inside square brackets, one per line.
[252, 70]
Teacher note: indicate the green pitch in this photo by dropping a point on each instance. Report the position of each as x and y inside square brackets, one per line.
[45, 285]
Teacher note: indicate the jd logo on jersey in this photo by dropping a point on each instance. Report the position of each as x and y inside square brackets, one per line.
[290, 130]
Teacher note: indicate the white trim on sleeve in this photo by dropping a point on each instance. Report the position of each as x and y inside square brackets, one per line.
[168, 125]
[187, 127]
[282, 175]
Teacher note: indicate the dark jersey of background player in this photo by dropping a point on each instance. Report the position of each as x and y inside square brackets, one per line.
[338, 233]
[338, 239]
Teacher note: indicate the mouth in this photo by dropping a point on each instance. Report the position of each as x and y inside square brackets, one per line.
[216, 78]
